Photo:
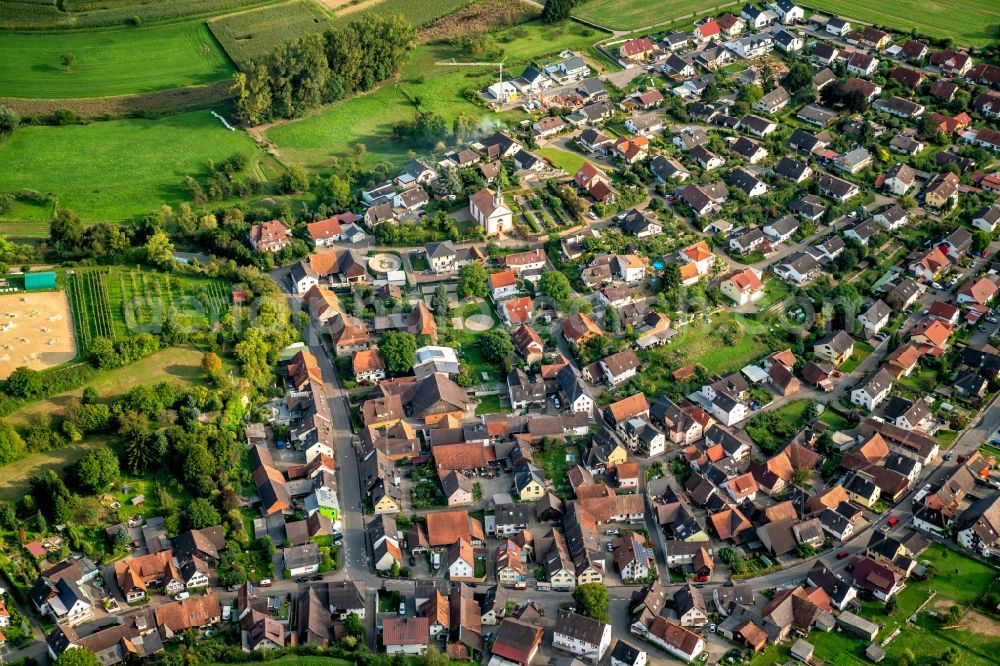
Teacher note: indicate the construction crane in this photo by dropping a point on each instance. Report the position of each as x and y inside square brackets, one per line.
[453, 63]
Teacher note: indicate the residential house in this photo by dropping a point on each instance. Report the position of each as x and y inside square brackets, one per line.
[270, 236]
[942, 191]
[743, 286]
[900, 179]
[675, 639]
[581, 636]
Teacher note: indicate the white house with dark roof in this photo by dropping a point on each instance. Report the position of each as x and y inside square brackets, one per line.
[581, 636]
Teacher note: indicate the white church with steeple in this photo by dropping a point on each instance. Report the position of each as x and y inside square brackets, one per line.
[489, 210]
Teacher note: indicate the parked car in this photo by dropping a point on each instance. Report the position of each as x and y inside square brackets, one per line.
[316, 577]
[611, 547]
[936, 285]
[413, 561]
[302, 579]
[712, 628]
[893, 521]
[402, 608]
[520, 585]
[610, 532]
[264, 582]
[182, 596]
[842, 555]
[981, 328]
[948, 456]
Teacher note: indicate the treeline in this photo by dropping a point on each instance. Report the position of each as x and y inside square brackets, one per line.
[317, 69]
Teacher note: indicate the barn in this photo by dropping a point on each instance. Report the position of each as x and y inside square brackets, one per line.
[44, 281]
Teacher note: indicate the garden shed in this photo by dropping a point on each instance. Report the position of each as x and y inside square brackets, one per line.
[42, 281]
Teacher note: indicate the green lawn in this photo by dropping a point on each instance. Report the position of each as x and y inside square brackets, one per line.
[958, 577]
[968, 22]
[334, 131]
[555, 465]
[110, 62]
[922, 381]
[565, 160]
[635, 14]
[861, 352]
[118, 169]
[490, 404]
[701, 343]
[833, 419]
[775, 291]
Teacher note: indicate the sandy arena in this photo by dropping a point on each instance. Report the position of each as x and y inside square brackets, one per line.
[36, 330]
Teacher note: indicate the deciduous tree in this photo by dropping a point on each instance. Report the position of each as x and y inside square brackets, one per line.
[398, 350]
[472, 281]
[592, 600]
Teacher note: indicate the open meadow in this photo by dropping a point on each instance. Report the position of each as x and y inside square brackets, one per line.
[636, 14]
[36, 331]
[117, 169]
[968, 22]
[368, 119]
[173, 363]
[256, 33]
[109, 62]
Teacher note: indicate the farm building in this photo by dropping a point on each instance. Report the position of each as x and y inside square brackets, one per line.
[45, 281]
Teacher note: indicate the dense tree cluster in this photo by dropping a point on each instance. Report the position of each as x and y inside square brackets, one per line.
[310, 71]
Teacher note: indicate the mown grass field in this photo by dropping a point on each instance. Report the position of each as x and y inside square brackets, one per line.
[118, 169]
[968, 22]
[368, 119]
[110, 62]
[635, 14]
[252, 34]
[173, 363]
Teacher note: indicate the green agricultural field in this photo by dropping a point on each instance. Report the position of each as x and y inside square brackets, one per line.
[117, 302]
[417, 13]
[636, 14]
[110, 62]
[253, 34]
[50, 14]
[368, 119]
[968, 22]
[118, 169]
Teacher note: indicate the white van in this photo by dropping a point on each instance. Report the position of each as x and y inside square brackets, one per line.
[544, 587]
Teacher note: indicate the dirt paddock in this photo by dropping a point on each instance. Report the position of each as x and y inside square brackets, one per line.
[973, 620]
[36, 330]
